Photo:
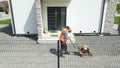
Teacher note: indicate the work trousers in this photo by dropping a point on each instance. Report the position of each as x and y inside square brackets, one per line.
[63, 48]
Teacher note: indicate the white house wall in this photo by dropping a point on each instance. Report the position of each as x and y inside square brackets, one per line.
[24, 12]
[82, 15]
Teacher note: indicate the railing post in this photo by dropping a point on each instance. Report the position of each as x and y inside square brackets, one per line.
[58, 54]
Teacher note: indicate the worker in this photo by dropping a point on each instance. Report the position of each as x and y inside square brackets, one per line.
[84, 50]
[63, 40]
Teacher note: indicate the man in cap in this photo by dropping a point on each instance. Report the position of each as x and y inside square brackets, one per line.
[63, 40]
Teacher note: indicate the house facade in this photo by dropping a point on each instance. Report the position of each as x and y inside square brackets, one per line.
[83, 16]
[4, 5]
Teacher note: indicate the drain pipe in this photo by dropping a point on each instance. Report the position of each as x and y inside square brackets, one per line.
[12, 15]
[101, 18]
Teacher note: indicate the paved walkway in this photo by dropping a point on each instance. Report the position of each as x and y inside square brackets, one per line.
[106, 53]
[23, 52]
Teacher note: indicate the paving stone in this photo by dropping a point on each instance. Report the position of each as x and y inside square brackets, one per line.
[24, 52]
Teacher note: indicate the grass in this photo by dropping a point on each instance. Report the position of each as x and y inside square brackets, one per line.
[54, 35]
[118, 8]
[116, 20]
[7, 21]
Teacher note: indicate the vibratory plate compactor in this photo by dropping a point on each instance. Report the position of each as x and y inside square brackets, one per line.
[84, 50]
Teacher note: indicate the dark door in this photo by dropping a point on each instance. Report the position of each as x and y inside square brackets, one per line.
[56, 18]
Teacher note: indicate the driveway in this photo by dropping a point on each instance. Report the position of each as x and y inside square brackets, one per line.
[23, 52]
[106, 53]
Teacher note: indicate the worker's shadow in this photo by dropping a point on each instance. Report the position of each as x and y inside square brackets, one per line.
[54, 51]
[76, 53]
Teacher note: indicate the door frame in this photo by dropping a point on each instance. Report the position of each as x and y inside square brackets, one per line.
[59, 18]
[46, 4]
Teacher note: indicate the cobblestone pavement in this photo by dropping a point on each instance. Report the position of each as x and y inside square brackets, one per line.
[106, 53]
[23, 52]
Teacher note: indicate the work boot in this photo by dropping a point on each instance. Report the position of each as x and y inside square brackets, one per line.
[81, 55]
[62, 56]
[67, 52]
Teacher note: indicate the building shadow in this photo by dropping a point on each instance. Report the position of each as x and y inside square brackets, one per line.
[7, 29]
[30, 27]
[32, 37]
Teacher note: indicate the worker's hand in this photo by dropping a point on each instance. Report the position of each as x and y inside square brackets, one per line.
[69, 30]
[65, 40]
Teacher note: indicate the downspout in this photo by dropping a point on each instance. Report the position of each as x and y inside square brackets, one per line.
[13, 21]
[101, 17]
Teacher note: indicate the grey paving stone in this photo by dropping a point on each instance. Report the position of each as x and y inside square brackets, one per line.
[106, 53]
[24, 52]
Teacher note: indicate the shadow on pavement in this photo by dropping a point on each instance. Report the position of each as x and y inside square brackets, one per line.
[53, 51]
[34, 37]
[76, 53]
[7, 29]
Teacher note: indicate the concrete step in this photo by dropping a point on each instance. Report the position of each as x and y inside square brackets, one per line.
[53, 39]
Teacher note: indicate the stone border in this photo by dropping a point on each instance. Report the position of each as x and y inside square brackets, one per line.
[110, 13]
[39, 18]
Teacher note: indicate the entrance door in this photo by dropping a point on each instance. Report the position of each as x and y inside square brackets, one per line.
[56, 18]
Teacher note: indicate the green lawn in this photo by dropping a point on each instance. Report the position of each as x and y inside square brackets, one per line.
[7, 21]
[118, 8]
[116, 20]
